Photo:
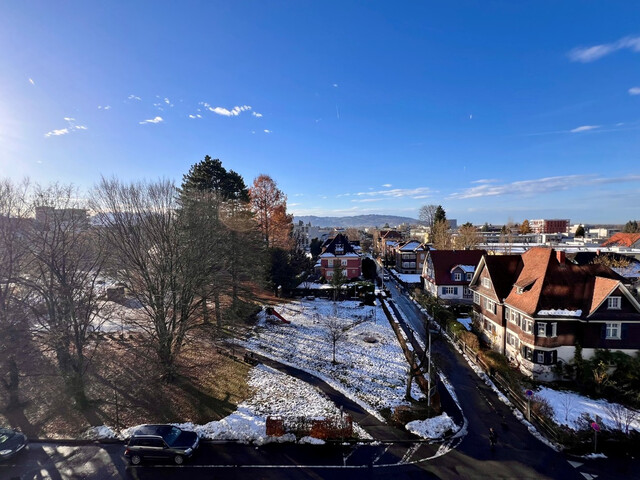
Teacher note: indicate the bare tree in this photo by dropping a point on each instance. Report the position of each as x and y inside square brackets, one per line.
[14, 211]
[65, 259]
[622, 416]
[468, 237]
[166, 259]
[566, 402]
[427, 214]
[336, 330]
[441, 236]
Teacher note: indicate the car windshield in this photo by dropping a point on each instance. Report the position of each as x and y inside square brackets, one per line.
[171, 435]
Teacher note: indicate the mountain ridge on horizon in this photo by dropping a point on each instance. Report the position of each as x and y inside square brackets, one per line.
[371, 220]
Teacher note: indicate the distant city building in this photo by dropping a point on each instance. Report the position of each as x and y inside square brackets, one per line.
[549, 225]
[74, 217]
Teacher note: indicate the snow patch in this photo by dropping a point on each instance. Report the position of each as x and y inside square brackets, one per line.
[432, 428]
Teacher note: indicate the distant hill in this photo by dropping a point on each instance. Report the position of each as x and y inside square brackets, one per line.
[355, 221]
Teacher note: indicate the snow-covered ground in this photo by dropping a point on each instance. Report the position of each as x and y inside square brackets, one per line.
[407, 277]
[435, 427]
[371, 368]
[569, 406]
[274, 393]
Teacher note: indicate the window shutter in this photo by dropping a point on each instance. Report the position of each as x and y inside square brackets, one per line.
[455, 290]
[603, 331]
[624, 331]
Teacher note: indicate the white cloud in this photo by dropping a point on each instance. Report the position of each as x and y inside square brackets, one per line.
[399, 192]
[234, 112]
[134, 97]
[590, 54]
[64, 131]
[152, 120]
[485, 180]
[368, 200]
[335, 85]
[166, 100]
[584, 128]
[106, 107]
[256, 114]
[634, 91]
[55, 133]
[197, 115]
[31, 81]
[267, 131]
[387, 185]
[541, 185]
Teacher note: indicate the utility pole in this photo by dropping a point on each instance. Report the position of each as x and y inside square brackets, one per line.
[429, 370]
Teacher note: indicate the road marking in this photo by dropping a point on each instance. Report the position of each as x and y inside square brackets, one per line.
[587, 476]
[380, 456]
[575, 464]
[410, 452]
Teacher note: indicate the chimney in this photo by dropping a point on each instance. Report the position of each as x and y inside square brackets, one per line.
[561, 256]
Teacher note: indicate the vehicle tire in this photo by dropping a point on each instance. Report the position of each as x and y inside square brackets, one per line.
[135, 459]
[178, 459]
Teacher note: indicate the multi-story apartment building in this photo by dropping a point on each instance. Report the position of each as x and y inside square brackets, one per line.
[535, 307]
[550, 226]
[410, 256]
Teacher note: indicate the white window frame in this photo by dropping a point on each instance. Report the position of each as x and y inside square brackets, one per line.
[476, 298]
[541, 329]
[343, 262]
[540, 358]
[554, 329]
[469, 276]
[614, 303]
[457, 277]
[486, 282]
[613, 331]
[330, 263]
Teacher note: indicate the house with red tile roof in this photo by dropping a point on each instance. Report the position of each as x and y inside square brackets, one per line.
[535, 307]
[630, 240]
[447, 274]
[338, 253]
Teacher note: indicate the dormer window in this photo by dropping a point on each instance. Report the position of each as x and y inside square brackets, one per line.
[519, 290]
[457, 276]
[613, 303]
[469, 276]
[339, 249]
[486, 282]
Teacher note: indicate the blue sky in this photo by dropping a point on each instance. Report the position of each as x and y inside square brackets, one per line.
[495, 109]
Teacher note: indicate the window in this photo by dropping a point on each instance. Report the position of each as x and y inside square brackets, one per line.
[512, 340]
[613, 331]
[450, 290]
[613, 303]
[330, 262]
[476, 298]
[457, 277]
[554, 329]
[486, 282]
[527, 352]
[527, 325]
[542, 329]
[490, 305]
[540, 357]
[339, 249]
[469, 276]
[343, 262]
[329, 274]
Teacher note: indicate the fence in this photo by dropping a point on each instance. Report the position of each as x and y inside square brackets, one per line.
[328, 428]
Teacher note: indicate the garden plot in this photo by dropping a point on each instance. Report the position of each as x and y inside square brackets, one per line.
[370, 366]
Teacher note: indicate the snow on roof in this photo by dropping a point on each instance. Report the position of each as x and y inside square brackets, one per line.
[326, 255]
[410, 246]
[560, 312]
[465, 268]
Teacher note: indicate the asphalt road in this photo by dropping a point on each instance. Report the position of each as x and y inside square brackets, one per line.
[519, 454]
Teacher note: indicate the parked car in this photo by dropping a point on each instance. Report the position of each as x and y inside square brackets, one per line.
[11, 442]
[161, 442]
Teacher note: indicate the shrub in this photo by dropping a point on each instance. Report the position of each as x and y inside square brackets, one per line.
[471, 339]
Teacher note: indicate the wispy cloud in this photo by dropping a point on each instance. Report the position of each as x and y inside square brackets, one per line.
[134, 97]
[256, 114]
[152, 120]
[541, 185]
[368, 200]
[387, 185]
[590, 54]
[55, 133]
[584, 128]
[197, 115]
[234, 112]
[31, 81]
[634, 91]
[106, 107]
[335, 85]
[485, 180]
[422, 192]
[267, 131]
[71, 127]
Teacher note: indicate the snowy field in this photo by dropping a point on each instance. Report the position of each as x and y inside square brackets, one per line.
[274, 393]
[569, 406]
[371, 368]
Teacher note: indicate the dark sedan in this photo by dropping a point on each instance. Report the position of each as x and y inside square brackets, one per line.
[11, 442]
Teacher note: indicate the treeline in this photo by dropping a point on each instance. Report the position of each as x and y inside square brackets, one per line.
[188, 255]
